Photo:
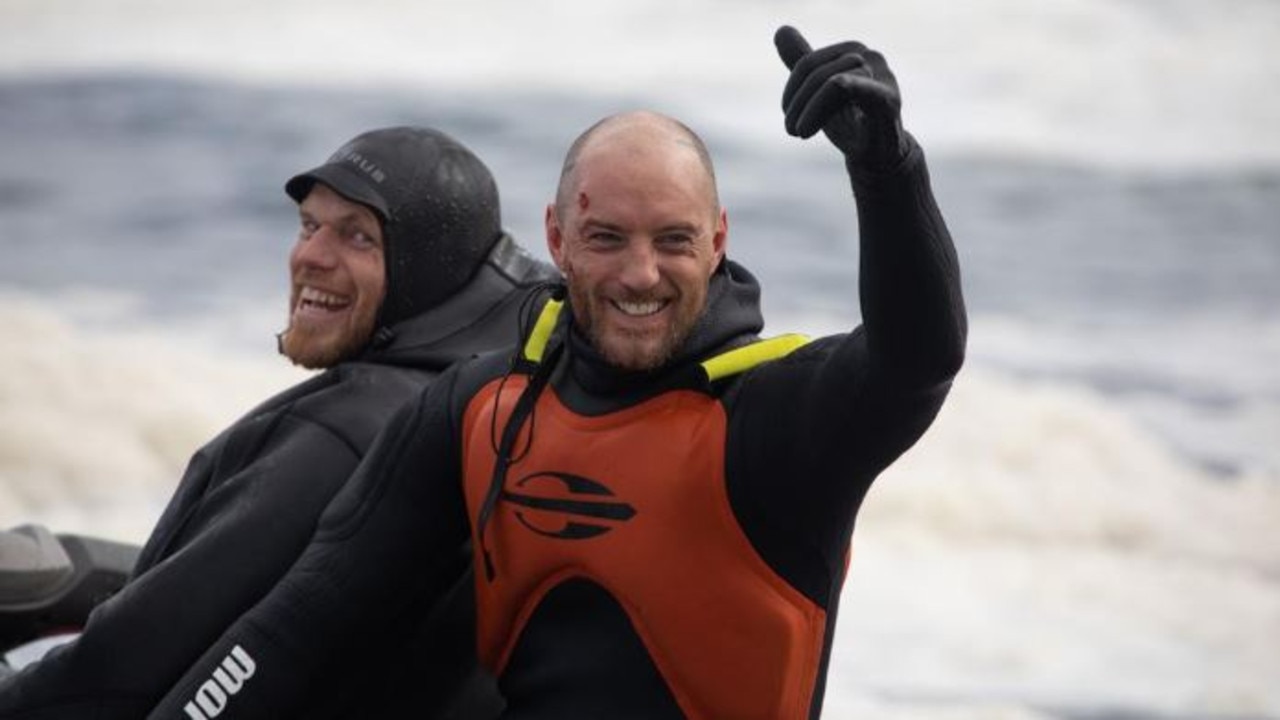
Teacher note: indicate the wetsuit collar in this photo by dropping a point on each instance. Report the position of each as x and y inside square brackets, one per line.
[445, 333]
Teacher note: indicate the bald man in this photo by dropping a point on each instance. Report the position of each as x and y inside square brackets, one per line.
[659, 501]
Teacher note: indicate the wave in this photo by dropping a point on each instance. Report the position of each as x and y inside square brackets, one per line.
[1034, 464]
[1028, 453]
[97, 424]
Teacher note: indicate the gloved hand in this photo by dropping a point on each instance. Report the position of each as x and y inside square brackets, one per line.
[847, 91]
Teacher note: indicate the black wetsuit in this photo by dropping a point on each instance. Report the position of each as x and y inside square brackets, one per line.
[803, 438]
[245, 510]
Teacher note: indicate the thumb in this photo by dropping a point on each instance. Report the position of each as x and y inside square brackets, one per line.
[791, 45]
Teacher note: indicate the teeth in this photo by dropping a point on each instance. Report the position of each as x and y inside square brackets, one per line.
[312, 296]
[639, 309]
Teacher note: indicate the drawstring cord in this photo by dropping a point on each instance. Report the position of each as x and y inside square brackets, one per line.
[539, 371]
[554, 290]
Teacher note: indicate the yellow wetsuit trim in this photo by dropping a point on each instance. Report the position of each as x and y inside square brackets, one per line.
[721, 366]
[748, 356]
[537, 342]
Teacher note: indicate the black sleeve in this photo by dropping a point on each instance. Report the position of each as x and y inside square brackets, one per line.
[909, 279]
[809, 434]
[139, 642]
[395, 535]
[183, 504]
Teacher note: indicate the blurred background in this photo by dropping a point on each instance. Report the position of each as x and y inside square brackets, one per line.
[1088, 531]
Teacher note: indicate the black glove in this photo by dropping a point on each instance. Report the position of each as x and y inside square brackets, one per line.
[848, 92]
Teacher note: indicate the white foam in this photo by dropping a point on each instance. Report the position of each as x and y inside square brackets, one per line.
[96, 427]
[1041, 550]
[1148, 82]
[1054, 628]
[1035, 465]
[1208, 382]
[1040, 547]
[1054, 462]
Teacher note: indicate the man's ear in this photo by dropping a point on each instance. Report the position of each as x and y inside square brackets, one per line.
[555, 239]
[720, 241]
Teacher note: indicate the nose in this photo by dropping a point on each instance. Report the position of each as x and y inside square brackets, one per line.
[640, 266]
[316, 251]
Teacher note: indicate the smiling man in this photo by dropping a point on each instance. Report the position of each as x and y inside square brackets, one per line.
[400, 268]
[637, 301]
[338, 279]
[661, 502]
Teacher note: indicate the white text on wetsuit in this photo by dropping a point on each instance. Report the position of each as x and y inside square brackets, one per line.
[212, 697]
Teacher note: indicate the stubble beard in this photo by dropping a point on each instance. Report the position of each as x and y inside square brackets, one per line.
[626, 350]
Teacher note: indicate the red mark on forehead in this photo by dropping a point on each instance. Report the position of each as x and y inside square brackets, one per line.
[583, 201]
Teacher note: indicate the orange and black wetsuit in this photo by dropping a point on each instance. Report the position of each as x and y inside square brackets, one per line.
[658, 545]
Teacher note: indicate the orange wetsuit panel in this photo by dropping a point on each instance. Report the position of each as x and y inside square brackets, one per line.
[730, 637]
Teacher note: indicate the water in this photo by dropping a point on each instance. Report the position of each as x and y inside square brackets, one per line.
[1086, 532]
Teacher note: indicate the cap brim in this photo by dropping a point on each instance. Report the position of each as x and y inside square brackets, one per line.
[350, 185]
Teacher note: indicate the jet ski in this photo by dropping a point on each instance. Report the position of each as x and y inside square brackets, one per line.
[49, 583]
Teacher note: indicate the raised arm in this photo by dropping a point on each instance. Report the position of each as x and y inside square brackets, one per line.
[811, 432]
[909, 278]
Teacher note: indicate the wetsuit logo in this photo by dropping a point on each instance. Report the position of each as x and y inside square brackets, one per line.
[543, 497]
[212, 697]
[361, 163]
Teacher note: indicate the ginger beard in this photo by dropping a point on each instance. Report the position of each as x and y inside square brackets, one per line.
[325, 329]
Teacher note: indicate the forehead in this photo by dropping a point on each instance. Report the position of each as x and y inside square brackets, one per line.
[636, 176]
[324, 200]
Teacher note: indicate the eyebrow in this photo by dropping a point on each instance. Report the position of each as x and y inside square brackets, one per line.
[592, 224]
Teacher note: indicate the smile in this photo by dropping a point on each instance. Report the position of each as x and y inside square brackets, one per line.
[639, 309]
[314, 299]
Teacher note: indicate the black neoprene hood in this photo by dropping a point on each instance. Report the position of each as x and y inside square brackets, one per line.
[437, 201]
